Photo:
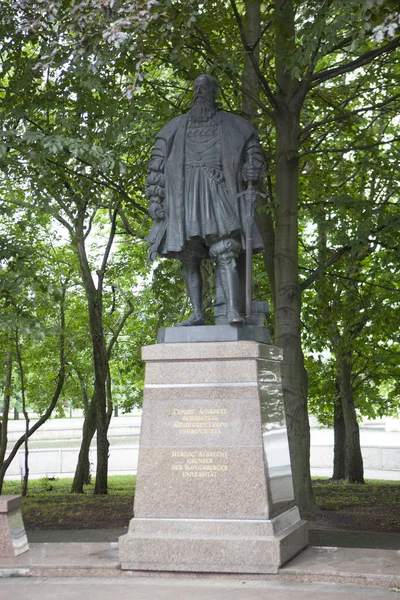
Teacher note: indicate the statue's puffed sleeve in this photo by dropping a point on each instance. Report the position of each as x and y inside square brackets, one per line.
[155, 183]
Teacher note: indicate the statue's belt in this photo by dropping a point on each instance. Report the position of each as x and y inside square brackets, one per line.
[198, 162]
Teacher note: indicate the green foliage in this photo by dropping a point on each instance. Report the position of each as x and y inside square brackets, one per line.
[350, 211]
[353, 309]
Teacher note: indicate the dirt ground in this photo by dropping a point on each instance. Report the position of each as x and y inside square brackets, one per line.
[356, 518]
[357, 507]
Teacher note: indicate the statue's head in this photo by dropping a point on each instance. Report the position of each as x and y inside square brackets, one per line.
[205, 87]
[204, 105]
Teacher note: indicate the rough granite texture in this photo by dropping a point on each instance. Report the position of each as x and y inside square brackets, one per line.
[210, 351]
[211, 545]
[207, 371]
[214, 489]
[13, 540]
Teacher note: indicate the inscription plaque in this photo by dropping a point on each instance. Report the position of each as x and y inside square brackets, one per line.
[200, 421]
[198, 463]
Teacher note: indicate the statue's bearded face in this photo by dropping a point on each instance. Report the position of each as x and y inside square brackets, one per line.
[203, 107]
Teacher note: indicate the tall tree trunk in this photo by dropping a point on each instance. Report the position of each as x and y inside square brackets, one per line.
[339, 446]
[94, 298]
[82, 471]
[100, 408]
[354, 463]
[250, 82]
[99, 393]
[289, 100]
[4, 421]
[82, 474]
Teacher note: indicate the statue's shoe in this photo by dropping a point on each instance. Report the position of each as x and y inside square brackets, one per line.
[234, 317]
[191, 321]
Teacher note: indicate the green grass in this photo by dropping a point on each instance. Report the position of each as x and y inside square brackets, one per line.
[50, 504]
[117, 484]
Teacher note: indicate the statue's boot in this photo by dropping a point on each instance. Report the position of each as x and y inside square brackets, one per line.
[192, 321]
[194, 289]
[226, 252]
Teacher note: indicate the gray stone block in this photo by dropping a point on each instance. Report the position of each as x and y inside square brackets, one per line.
[13, 540]
[203, 351]
[214, 487]
[212, 545]
[213, 333]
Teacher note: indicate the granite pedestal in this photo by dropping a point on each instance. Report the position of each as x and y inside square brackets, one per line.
[214, 486]
[13, 540]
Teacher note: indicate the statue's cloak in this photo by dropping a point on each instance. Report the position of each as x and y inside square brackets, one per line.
[167, 236]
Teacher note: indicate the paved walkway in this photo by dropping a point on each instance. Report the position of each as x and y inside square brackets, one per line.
[325, 564]
[68, 564]
[182, 589]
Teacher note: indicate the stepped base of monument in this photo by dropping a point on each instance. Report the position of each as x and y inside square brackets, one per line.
[213, 545]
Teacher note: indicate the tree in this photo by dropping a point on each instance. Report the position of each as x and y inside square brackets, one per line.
[306, 50]
[32, 309]
[356, 297]
[66, 136]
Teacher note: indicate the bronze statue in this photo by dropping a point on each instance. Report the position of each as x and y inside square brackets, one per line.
[201, 184]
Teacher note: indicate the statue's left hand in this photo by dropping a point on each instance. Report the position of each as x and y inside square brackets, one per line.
[254, 165]
[251, 173]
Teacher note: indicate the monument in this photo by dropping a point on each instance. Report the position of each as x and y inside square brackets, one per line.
[202, 182]
[214, 485]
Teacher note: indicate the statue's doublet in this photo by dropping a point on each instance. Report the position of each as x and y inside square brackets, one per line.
[209, 211]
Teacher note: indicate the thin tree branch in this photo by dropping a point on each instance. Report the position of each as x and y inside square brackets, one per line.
[109, 244]
[65, 223]
[323, 266]
[107, 183]
[351, 148]
[342, 44]
[349, 113]
[125, 222]
[362, 60]
[354, 280]
[90, 224]
[120, 325]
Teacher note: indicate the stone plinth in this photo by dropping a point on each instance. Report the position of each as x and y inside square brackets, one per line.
[13, 539]
[213, 333]
[214, 487]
